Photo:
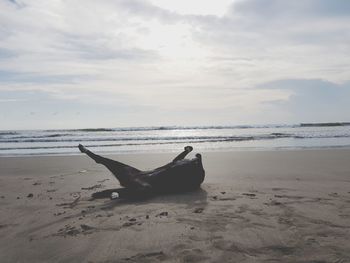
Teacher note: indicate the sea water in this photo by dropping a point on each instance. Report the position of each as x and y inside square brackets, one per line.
[174, 138]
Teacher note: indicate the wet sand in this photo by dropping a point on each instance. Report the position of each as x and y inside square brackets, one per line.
[273, 206]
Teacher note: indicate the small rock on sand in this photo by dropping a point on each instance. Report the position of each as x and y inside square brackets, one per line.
[163, 214]
[96, 186]
[248, 194]
[198, 210]
[59, 213]
[30, 195]
[129, 224]
[273, 202]
[86, 227]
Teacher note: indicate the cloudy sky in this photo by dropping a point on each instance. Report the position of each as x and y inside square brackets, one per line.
[120, 63]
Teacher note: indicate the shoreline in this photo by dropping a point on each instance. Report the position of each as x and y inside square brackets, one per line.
[225, 150]
[254, 206]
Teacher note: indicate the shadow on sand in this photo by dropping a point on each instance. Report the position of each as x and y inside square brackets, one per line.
[188, 198]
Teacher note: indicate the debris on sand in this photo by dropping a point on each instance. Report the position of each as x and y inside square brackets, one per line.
[162, 214]
[96, 186]
[114, 195]
[102, 181]
[334, 194]
[248, 194]
[147, 257]
[70, 205]
[126, 224]
[68, 231]
[59, 213]
[86, 227]
[30, 195]
[198, 210]
[273, 202]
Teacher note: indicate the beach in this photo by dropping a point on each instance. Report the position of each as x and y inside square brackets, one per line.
[254, 206]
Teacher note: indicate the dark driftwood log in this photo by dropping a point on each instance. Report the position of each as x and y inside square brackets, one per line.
[180, 176]
[177, 176]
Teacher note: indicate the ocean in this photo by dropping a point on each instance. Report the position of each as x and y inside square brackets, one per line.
[174, 138]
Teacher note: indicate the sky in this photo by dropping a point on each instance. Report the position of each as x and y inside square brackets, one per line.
[123, 63]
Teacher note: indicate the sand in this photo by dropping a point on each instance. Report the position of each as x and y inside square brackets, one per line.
[273, 206]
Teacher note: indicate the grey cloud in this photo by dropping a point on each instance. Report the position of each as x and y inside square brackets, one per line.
[6, 53]
[295, 29]
[313, 99]
[95, 48]
[31, 78]
[276, 8]
[257, 40]
[312, 89]
[18, 4]
[126, 54]
[148, 10]
[275, 15]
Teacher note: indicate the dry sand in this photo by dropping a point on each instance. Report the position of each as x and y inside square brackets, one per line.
[277, 206]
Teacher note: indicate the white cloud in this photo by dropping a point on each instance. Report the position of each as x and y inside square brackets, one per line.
[195, 7]
[196, 55]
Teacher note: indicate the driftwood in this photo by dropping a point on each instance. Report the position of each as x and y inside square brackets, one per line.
[177, 176]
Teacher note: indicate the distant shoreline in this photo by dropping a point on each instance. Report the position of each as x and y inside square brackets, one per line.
[183, 127]
[173, 138]
[228, 151]
[325, 124]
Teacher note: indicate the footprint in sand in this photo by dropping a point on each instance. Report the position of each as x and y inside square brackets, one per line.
[146, 257]
[273, 202]
[334, 194]
[249, 194]
[102, 181]
[289, 196]
[192, 255]
[96, 186]
[198, 210]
